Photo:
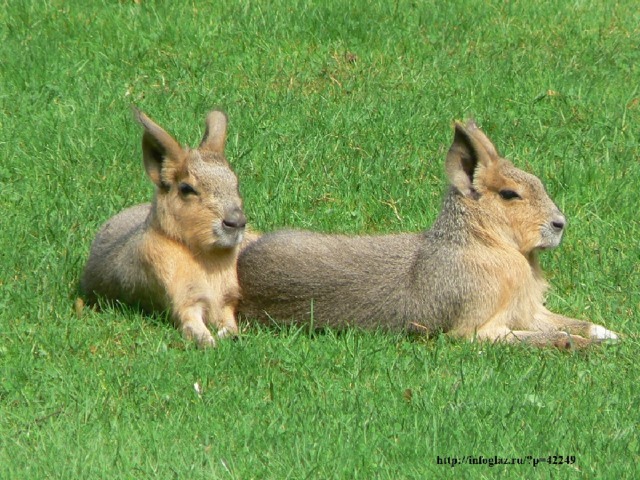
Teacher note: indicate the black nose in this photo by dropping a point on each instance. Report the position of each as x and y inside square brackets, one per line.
[558, 224]
[234, 219]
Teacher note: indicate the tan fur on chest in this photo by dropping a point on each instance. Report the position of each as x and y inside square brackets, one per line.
[210, 279]
[511, 289]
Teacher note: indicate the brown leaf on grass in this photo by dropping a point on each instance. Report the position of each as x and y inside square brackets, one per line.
[407, 395]
[547, 94]
[78, 307]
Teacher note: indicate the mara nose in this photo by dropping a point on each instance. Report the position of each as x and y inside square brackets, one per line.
[559, 223]
[234, 219]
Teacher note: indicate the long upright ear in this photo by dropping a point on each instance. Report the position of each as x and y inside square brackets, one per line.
[158, 148]
[216, 133]
[470, 149]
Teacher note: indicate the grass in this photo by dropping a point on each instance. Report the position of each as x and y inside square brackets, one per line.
[340, 117]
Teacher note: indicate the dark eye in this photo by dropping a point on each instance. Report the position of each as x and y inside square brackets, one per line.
[509, 195]
[186, 189]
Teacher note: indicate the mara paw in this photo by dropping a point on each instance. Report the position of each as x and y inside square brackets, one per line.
[199, 334]
[226, 332]
[600, 334]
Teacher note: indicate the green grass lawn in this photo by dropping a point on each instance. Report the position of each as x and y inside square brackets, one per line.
[340, 118]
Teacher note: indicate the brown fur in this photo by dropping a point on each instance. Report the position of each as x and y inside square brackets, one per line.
[474, 274]
[179, 252]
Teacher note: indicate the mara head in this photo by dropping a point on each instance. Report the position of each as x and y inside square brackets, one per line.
[197, 200]
[510, 203]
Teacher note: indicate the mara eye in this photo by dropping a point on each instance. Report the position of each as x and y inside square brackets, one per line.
[509, 195]
[186, 189]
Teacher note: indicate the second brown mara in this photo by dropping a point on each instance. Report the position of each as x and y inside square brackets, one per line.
[474, 274]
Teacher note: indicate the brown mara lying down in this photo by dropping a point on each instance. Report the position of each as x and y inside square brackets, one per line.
[474, 274]
[178, 252]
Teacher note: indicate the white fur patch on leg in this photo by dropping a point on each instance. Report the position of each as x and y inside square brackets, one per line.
[224, 332]
[598, 332]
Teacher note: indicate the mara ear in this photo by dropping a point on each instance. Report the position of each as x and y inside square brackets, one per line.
[158, 148]
[216, 133]
[470, 149]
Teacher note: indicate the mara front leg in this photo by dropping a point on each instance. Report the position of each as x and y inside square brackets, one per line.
[193, 320]
[223, 318]
[536, 338]
[596, 333]
[190, 320]
[190, 307]
[534, 331]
